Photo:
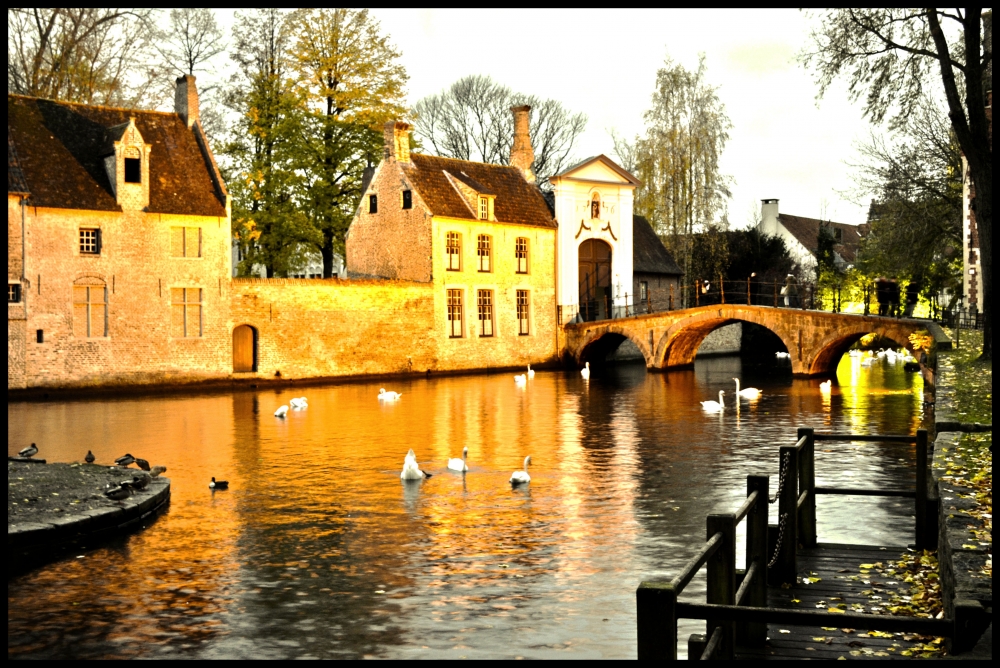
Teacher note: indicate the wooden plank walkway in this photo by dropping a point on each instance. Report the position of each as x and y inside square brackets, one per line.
[830, 577]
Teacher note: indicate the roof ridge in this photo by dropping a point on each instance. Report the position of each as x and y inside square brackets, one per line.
[103, 107]
[472, 162]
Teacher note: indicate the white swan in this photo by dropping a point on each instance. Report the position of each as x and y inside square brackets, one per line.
[411, 471]
[585, 371]
[867, 361]
[750, 393]
[521, 477]
[298, 403]
[282, 411]
[714, 406]
[782, 356]
[826, 386]
[531, 374]
[521, 379]
[854, 352]
[389, 396]
[456, 464]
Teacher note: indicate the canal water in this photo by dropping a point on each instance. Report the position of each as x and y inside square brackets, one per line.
[319, 550]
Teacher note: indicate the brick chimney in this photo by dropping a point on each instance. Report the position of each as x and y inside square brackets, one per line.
[521, 153]
[397, 141]
[186, 99]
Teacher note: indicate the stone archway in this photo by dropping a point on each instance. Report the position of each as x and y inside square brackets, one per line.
[599, 344]
[244, 349]
[678, 345]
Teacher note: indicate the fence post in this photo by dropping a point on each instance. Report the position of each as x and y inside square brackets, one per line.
[696, 646]
[722, 578]
[722, 289]
[807, 481]
[656, 621]
[924, 541]
[697, 291]
[784, 570]
[775, 286]
[671, 305]
[754, 634]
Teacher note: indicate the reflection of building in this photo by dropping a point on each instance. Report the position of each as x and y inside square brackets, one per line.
[801, 235]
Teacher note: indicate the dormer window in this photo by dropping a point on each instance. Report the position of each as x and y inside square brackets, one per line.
[595, 206]
[133, 165]
[484, 208]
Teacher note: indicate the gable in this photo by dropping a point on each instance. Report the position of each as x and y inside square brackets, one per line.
[599, 168]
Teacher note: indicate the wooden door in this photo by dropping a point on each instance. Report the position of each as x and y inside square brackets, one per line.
[244, 349]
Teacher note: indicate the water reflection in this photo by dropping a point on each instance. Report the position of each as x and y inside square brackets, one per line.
[319, 550]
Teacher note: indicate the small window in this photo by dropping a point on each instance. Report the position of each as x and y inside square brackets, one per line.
[484, 301]
[595, 206]
[407, 199]
[90, 311]
[13, 293]
[453, 251]
[521, 254]
[484, 252]
[484, 208]
[373, 204]
[838, 234]
[523, 304]
[185, 241]
[643, 290]
[186, 312]
[90, 241]
[455, 314]
[133, 170]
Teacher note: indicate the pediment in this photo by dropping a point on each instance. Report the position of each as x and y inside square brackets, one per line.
[599, 169]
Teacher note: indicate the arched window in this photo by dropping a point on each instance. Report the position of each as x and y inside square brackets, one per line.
[595, 206]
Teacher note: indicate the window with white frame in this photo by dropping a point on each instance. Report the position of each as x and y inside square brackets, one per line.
[455, 314]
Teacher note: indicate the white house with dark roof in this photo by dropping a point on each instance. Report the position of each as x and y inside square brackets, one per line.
[801, 235]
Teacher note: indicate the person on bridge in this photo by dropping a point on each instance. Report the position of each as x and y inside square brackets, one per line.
[882, 295]
[893, 298]
[791, 292]
[912, 295]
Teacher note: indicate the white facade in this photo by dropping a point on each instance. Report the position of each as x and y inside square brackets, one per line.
[575, 191]
[770, 225]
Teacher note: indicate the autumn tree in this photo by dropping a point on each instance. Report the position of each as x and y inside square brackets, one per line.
[89, 55]
[269, 227]
[471, 120]
[350, 81]
[677, 159]
[890, 57]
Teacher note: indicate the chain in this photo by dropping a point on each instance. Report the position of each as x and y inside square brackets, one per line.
[781, 534]
[781, 478]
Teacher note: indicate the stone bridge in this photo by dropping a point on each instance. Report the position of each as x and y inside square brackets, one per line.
[815, 340]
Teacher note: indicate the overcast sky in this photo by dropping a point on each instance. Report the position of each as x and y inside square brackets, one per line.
[784, 143]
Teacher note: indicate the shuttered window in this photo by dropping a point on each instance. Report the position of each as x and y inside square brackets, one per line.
[523, 305]
[90, 311]
[185, 241]
[455, 314]
[484, 302]
[186, 312]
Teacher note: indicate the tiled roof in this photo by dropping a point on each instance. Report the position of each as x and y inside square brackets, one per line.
[15, 177]
[60, 147]
[806, 231]
[649, 256]
[517, 201]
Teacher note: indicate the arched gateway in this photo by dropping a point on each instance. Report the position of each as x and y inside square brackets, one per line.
[244, 349]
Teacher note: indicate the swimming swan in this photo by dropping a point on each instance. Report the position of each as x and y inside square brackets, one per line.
[389, 396]
[282, 411]
[411, 471]
[714, 406]
[456, 464]
[531, 374]
[750, 393]
[521, 379]
[298, 403]
[585, 371]
[521, 477]
[826, 386]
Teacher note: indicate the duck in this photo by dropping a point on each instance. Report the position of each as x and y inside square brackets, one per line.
[456, 464]
[531, 374]
[157, 470]
[521, 477]
[90, 457]
[826, 386]
[218, 484]
[282, 411]
[119, 492]
[388, 396]
[585, 371]
[124, 460]
[411, 470]
[140, 480]
[142, 463]
[29, 451]
[714, 406]
[520, 379]
[750, 393]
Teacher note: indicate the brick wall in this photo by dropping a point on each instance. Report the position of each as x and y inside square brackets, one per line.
[659, 291]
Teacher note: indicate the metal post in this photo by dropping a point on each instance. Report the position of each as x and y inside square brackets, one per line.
[722, 289]
[807, 481]
[697, 291]
[722, 578]
[775, 286]
[671, 308]
[755, 634]
[785, 568]
[656, 621]
[923, 539]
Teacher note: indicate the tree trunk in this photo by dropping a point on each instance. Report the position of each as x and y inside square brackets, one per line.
[327, 252]
[982, 205]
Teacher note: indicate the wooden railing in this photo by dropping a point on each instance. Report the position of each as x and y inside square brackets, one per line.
[736, 601]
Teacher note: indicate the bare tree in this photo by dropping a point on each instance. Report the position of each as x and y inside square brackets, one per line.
[890, 55]
[192, 39]
[94, 56]
[471, 120]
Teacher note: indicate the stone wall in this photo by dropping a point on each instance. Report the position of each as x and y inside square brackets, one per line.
[723, 341]
[660, 292]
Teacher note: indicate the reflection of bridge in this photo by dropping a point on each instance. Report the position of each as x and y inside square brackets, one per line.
[815, 340]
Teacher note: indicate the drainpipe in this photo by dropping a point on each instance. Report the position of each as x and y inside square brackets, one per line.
[24, 257]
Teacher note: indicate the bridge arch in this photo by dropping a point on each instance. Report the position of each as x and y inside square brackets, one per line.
[678, 345]
[829, 350]
[601, 342]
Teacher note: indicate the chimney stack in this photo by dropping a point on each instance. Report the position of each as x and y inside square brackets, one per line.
[186, 100]
[768, 216]
[521, 154]
[397, 141]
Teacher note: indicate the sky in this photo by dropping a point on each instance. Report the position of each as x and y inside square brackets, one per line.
[785, 143]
